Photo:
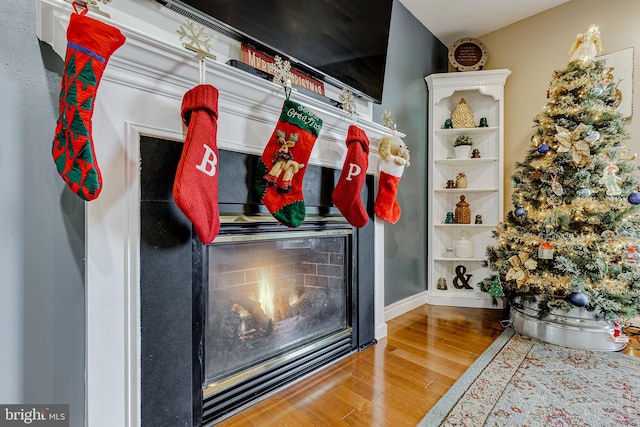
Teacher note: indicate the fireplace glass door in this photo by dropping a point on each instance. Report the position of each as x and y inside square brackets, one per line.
[270, 295]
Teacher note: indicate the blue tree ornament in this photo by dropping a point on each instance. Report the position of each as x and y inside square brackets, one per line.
[578, 299]
[543, 148]
[583, 192]
[634, 198]
[520, 211]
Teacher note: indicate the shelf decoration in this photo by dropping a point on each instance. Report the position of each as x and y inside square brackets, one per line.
[449, 219]
[462, 212]
[462, 146]
[462, 279]
[462, 116]
[463, 247]
[461, 180]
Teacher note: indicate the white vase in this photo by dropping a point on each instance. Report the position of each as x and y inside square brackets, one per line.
[463, 248]
[462, 151]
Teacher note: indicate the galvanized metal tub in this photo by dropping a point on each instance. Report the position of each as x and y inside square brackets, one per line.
[577, 328]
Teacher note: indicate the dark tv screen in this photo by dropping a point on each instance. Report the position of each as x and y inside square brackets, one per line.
[343, 42]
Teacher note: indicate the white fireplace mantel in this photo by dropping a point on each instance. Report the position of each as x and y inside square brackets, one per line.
[140, 94]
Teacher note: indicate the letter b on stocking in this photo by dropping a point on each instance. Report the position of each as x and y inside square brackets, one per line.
[209, 161]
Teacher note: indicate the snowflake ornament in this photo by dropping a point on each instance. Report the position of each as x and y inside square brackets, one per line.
[92, 5]
[281, 71]
[197, 39]
[348, 103]
[387, 119]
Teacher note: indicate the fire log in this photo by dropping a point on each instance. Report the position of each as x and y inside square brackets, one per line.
[263, 323]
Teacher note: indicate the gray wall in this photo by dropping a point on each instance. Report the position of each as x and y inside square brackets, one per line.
[413, 54]
[41, 229]
[42, 223]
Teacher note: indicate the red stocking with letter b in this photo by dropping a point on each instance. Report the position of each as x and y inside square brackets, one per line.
[195, 189]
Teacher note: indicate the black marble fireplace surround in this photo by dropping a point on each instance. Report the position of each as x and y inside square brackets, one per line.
[173, 296]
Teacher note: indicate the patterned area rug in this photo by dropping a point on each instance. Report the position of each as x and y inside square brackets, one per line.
[520, 381]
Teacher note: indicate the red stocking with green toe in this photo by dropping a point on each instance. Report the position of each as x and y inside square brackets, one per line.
[283, 163]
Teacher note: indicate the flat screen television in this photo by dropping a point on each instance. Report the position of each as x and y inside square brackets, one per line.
[342, 42]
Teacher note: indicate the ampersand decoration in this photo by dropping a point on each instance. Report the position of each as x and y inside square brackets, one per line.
[462, 277]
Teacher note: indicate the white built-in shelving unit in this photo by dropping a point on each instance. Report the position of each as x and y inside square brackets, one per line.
[484, 93]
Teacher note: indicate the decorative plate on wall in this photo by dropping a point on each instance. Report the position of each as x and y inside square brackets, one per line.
[468, 54]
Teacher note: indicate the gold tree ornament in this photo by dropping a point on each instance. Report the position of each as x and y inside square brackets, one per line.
[608, 76]
[586, 46]
[521, 264]
[572, 141]
[462, 116]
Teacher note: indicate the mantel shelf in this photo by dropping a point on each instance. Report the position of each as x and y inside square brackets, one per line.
[248, 105]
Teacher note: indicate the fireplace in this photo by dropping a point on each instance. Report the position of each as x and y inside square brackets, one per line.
[277, 305]
[139, 246]
[261, 307]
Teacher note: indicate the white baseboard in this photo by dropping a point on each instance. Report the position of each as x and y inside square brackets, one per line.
[399, 308]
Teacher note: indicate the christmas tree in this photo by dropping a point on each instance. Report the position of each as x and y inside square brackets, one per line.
[573, 235]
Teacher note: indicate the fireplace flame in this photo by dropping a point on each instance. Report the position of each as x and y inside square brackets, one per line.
[293, 298]
[265, 295]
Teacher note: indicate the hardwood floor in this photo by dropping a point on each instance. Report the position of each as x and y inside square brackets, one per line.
[393, 383]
